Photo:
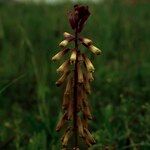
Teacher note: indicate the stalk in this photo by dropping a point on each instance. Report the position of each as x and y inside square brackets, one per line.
[75, 93]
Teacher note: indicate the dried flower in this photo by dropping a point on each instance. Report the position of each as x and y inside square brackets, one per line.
[89, 137]
[60, 54]
[61, 122]
[68, 35]
[64, 67]
[66, 99]
[62, 78]
[70, 110]
[69, 86]
[73, 56]
[89, 65]
[80, 74]
[90, 76]
[80, 127]
[64, 43]
[94, 49]
[66, 137]
[86, 41]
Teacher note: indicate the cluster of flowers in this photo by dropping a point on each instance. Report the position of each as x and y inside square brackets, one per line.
[85, 71]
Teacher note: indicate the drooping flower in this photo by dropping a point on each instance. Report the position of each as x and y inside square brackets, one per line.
[94, 49]
[73, 56]
[60, 54]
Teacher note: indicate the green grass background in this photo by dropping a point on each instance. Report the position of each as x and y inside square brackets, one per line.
[30, 103]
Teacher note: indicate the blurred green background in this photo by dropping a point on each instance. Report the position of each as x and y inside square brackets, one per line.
[30, 103]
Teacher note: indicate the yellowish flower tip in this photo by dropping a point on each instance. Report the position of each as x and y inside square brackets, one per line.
[60, 54]
[88, 63]
[57, 56]
[66, 34]
[87, 41]
[94, 50]
[73, 56]
[63, 67]
[64, 43]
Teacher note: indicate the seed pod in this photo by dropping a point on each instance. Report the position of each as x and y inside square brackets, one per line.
[89, 136]
[61, 122]
[63, 67]
[69, 86]
[88, 64]
[66, 99]
[94, 49]
[80, 127]
[86, 41]
[80, 74]
[64, 43]
[66, 137]
[73, 56]
[60, 54]
[62, 78]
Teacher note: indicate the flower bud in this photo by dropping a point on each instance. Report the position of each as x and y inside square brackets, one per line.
[73, 56]
[60, 54]
[62, 78]
[89, 65]
[63, 67]
[61, 122]
[80, 74]
[94, 49]
[64, 43]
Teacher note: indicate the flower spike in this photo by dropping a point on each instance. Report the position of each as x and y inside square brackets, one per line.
[77, 78]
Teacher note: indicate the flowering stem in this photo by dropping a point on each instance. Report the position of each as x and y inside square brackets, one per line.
[75, 93]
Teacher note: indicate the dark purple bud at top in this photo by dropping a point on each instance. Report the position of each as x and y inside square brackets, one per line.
[78, 17]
